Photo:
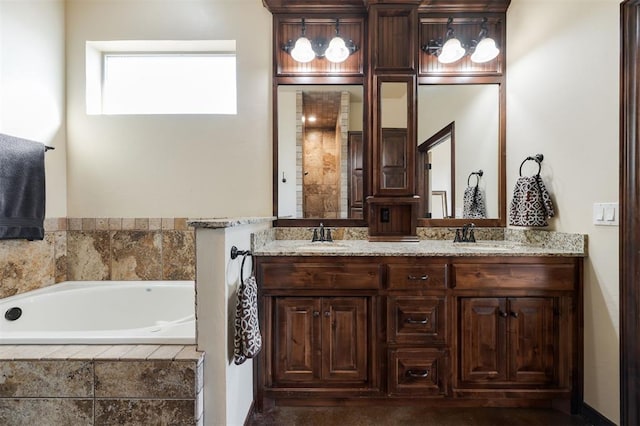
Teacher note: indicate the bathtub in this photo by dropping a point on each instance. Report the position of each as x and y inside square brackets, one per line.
[101, 312]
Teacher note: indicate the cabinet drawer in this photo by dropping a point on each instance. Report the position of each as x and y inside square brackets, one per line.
[320, 276]
[417, 276]
[418, 371]
[515, 276]
[416, 319]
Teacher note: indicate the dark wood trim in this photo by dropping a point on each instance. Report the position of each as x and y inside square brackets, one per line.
[629, 243]
[593, 417]
[423, 149]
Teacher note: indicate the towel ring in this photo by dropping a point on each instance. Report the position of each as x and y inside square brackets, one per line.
[248, 254]
[478, 174]
[538, 159]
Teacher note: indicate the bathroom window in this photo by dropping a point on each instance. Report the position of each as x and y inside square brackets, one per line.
[171, 77]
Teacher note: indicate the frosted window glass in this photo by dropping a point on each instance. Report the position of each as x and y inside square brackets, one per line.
[169, 84]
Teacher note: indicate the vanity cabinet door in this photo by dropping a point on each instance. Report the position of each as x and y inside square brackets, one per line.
[297, 338]
[344, 339]
[533, 337]
[508, 341]
[320, 341]
[483, 340]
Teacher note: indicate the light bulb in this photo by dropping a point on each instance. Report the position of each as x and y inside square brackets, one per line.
[302, 51]
[452, 50]
[485, 51]
[337, 51]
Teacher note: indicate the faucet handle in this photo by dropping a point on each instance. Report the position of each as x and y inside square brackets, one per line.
[315, 235]
[458, 237]
[328, 236]
[472, 238]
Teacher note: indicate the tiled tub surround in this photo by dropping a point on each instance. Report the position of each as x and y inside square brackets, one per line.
[100, 385]
[101, 249]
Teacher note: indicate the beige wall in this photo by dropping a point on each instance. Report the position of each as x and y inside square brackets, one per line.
[187, 165]
[32, 86]
[562, 101]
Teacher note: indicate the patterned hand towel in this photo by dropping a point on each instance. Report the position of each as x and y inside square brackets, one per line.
[247, 340]
[22, 188]
[474, 204]
[531, 204]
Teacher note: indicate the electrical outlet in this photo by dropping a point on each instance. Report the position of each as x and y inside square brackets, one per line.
[384, 215]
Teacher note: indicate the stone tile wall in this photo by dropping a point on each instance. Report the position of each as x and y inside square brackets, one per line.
[148, 385]
[99, 249]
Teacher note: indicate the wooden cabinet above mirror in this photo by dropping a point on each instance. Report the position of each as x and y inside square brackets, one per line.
[386, 39]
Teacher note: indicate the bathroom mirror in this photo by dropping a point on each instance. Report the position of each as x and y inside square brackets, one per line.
[394, 128]
[471, 113]
[320, 151]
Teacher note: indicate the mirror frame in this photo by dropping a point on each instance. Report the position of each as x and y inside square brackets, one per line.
[359, 75]
[501, 220]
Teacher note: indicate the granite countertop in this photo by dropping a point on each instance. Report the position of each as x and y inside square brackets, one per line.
[227, 222]
[421, 248]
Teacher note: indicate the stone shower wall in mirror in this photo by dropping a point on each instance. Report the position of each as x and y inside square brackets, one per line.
[314, 128]
[475, 112]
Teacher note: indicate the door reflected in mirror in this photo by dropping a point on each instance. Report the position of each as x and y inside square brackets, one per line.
[320, 152]
[394, 118]
[471, 113]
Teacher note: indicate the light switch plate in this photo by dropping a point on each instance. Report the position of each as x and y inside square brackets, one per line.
[606, 214]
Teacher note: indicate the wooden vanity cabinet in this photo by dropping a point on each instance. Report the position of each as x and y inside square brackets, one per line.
[467, 331]
[517, 328]
[319, 324]
[417, 328]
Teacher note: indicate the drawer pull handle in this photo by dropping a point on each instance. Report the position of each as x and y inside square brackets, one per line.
[416, 321]
[417, 374]
[420, 278]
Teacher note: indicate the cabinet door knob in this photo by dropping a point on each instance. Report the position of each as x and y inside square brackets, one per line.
[503, 314]
[316, 313]
[514, 314]
[416, 321]
[420, 278]
[327, 313]
[417, 374]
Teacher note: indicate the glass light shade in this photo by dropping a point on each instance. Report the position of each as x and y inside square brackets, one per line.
[337, 51]
[302, 51]
[452, 50]
[485, 51]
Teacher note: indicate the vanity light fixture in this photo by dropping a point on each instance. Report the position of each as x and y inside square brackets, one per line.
[452, 49]
[339, 50]
[485, 48]
[302, 51]
[305, 50]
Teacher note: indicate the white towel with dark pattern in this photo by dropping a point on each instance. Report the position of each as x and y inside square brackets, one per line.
[474, 205]
[247, 340]
[531, 204]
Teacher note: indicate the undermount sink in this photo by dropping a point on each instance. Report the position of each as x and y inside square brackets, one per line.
[321, 246]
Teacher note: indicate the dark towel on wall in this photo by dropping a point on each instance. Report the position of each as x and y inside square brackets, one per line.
[22, 188]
